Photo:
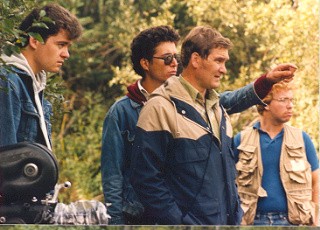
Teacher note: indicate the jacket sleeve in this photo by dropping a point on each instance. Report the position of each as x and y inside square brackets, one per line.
[235, 145]
[111, 167]
[10, 111]
[148, 164]
[239, 100]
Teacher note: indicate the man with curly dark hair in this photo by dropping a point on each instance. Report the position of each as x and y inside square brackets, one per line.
[154, 58]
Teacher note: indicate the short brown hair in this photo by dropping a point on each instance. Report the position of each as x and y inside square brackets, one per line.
[282, 85]
[202, 39]
[60, 19]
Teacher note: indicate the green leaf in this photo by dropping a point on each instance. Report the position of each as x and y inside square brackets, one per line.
[47, 20]
[40, 25]
[42, 13]
[36, 36]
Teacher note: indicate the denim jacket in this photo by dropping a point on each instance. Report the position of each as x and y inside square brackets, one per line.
[117, 139]
[19, 118]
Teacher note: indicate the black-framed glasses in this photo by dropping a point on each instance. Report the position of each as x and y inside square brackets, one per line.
[168, 59]
[285, 100]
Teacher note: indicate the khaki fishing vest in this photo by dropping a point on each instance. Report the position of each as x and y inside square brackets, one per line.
[295, 173]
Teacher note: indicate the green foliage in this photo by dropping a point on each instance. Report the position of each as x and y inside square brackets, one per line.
[78, 146]
[264, 33]
[12, 38]
[10, 14]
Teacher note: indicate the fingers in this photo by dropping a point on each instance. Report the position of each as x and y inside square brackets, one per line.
[286, 69]
[281, 72]
[287, 79]
[286, 66]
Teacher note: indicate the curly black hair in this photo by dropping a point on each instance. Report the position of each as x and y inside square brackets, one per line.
[145, 43]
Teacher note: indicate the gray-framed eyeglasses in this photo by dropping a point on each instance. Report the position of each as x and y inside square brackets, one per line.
[285, 100]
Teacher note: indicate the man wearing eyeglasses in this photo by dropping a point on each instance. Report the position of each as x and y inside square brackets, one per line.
[183, 169]
[277, 166]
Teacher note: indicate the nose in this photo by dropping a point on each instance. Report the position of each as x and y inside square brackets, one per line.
[65, 53]
[223, 69]
[174, 62]
[290, 104]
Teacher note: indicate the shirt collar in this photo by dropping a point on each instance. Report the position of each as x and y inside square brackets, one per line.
[190, 89]
[143, 90]
[212, 97]
[257, 126]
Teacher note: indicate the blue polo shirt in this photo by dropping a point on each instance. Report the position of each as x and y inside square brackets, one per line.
[276, 200]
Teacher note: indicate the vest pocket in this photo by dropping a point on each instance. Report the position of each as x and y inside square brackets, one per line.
[247, 165]
[295, 151]
[301, 209]
[297, 170]
[249, 206]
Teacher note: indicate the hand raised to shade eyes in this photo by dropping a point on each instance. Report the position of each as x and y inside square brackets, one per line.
[281, 72]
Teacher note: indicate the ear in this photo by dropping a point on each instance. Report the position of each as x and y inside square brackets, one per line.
[195, 60]
[144, 64]
[266, 107]
[33, 42]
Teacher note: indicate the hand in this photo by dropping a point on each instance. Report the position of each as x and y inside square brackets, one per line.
[282, 72]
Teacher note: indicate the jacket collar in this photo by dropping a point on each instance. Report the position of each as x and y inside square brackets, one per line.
[135, 94]
[19, 61]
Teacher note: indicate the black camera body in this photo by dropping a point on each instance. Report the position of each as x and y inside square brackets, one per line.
[28, 176]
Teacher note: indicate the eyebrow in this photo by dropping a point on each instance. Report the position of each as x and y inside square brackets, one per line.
[166, 54]
[64, 42]
[221, 58]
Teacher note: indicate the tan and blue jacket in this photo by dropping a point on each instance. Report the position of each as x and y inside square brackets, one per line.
[181, 172]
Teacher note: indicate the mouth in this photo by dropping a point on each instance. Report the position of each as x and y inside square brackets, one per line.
[173, 73]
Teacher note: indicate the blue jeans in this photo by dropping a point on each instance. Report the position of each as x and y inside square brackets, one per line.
[271, 218]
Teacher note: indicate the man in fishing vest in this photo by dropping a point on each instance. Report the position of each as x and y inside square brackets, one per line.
[277, 166]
